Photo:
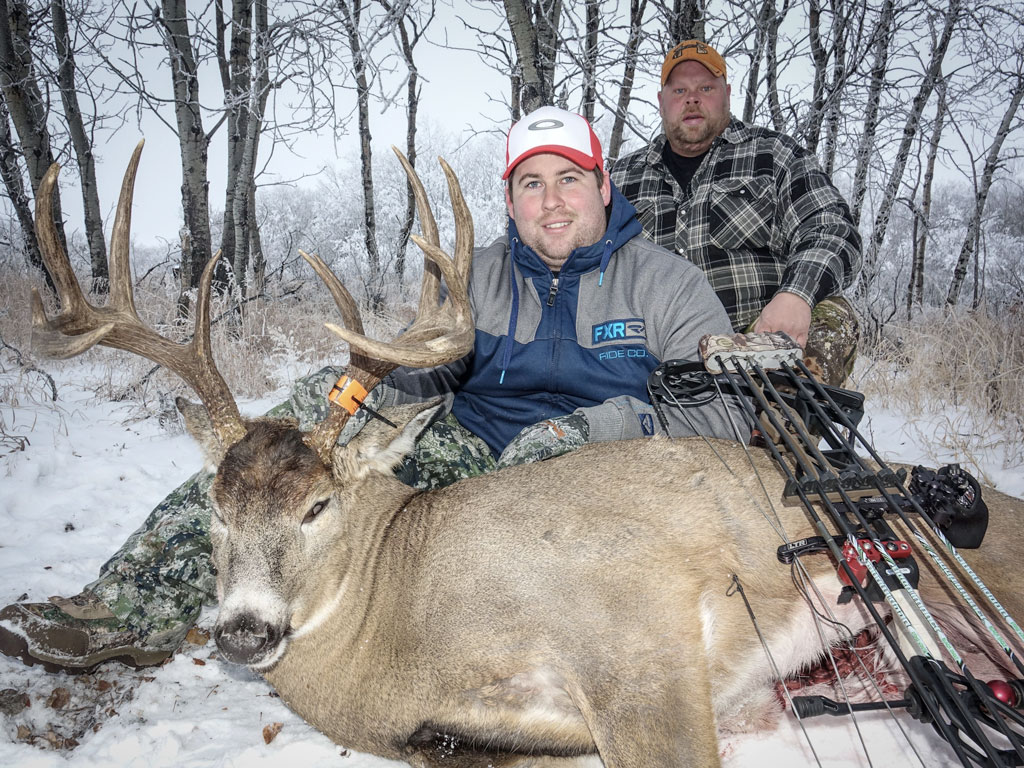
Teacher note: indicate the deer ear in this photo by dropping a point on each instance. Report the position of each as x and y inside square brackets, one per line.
[381, 448]
[198, 424]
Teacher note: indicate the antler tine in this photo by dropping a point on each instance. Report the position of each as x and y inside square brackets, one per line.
[430, 287]
[121, 294]
[463, 242]
[439, 334]
[54, 257]
[346, 304]
[80, 325]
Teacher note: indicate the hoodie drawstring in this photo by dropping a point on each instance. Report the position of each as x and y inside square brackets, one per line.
[605, 258]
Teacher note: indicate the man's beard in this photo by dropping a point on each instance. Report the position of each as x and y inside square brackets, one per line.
[681, 135]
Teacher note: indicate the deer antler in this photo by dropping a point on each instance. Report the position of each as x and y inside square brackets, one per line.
[440, 333]
[80, 325]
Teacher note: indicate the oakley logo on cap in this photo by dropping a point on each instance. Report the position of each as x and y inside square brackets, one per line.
[545, 125]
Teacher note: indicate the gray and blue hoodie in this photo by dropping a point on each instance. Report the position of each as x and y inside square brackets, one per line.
[584, 339]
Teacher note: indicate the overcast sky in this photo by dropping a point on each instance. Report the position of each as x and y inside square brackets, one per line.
[460, 94]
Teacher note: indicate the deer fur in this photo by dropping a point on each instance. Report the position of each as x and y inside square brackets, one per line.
[533, 616]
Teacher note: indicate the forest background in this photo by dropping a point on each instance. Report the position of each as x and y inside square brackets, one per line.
[260, 117]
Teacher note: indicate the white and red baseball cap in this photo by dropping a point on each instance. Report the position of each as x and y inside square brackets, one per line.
[550, 129]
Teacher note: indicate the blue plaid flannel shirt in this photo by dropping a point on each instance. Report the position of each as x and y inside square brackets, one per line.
[760, 216]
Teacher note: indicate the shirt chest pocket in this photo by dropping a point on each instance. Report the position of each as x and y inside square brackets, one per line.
[740, 213]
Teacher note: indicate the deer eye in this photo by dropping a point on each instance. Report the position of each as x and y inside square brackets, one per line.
[315, 510]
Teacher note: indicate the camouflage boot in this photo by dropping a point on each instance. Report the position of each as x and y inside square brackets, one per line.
[148, 596]
[832, 340]
[73, 635]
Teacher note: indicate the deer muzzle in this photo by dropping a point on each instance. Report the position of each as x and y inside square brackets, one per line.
[247, 639]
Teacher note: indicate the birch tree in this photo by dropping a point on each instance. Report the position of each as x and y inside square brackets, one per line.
[992, 162]
[11, 175]
[26, 108]
[534, 27]
[172, 23]
[932, 73]
[881, 42]
[915, 289]
[67, 82]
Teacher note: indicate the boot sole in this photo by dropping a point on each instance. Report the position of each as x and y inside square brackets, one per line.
[16, 646]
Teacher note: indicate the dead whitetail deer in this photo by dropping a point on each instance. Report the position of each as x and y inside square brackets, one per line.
[536, 615]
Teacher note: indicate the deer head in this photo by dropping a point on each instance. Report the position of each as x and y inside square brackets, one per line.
[275, 485]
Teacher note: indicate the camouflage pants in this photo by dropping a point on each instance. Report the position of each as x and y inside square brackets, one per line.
[831, 340]
[157, 583]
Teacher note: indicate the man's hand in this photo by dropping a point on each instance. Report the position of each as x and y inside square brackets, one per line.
[545, 439]
[788, 313]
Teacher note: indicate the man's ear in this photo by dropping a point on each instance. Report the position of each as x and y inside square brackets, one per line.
[508, 199]
[381, 448]
[198, 424]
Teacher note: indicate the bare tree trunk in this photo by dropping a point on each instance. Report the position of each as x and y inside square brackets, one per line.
[819, 58]
[412, 90]
[931, 76]
[25, 105]
[686, 21]
[194, 146]
[918, 231]
[83, 148]
[257, 91]
[915, 291]
[772, 67]
[753, 75]
[637, 9]
[535, 35]
[883, 35]
[593, 21]
[350, 18]
[844, 13]
[10, 172]
[516, 89]
[236, 80]
[969, 248]
[259, 259]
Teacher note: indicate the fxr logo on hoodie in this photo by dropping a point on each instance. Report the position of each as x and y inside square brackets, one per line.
[618, 331]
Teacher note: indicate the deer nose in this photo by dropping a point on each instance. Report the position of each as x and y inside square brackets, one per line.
[246, 639]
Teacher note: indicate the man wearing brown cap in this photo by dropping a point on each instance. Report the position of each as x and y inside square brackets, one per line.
[751, 207]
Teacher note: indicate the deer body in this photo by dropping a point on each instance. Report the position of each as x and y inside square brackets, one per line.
[569, 607]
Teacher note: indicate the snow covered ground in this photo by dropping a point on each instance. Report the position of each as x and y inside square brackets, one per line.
[90, 472]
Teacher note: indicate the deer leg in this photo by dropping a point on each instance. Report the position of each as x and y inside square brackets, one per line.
[656, 720]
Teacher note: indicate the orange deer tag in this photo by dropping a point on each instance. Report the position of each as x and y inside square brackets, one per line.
[348, 393]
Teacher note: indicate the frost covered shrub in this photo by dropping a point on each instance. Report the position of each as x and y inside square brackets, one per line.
[966, 367]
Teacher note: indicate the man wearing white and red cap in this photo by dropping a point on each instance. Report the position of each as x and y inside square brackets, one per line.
[749, 206]
[573, 309]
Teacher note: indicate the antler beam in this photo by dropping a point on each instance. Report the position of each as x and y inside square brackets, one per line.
[80, 325]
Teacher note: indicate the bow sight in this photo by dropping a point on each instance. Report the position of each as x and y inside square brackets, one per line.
[810, 429]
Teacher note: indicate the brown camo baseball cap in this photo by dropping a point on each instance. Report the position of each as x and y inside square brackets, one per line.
[693, 50]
